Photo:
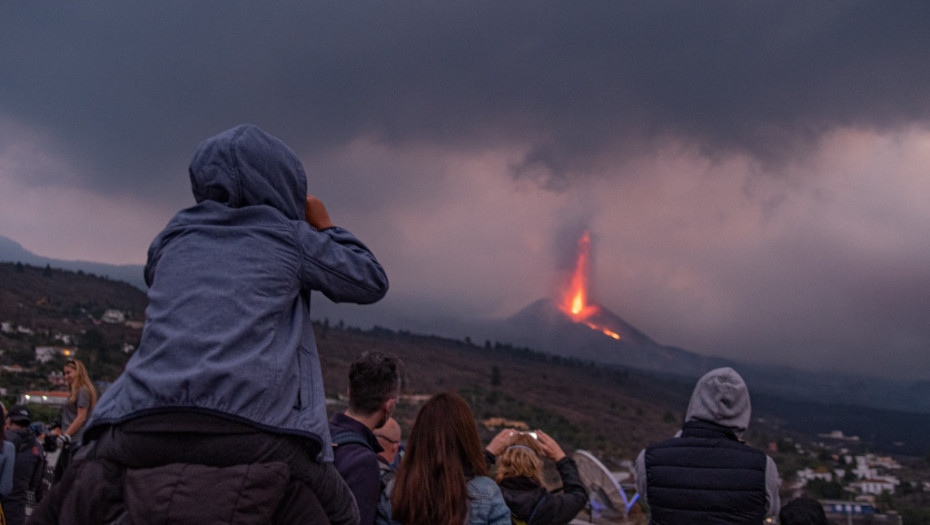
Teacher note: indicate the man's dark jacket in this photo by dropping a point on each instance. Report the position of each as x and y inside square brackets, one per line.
[358, 463]
[706, 476]
[28, 469]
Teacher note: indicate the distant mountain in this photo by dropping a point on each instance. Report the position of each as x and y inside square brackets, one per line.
[12, 251]
[544, 327]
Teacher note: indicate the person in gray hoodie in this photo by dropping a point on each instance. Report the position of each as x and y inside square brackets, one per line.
[706, 474]
[227, 371]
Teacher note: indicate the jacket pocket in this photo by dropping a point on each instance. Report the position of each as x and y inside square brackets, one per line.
[304, 359]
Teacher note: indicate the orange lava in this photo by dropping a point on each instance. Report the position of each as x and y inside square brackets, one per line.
[575, 299]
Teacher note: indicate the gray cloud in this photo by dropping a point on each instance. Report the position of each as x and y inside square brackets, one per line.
[125, 86]
[389, 103]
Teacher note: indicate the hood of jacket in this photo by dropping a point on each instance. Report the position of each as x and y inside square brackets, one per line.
[522, 494]
[244, 166]
[721, 397]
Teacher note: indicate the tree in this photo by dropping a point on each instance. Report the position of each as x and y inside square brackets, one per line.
[822, 489]
[885, 501]
[495, 376]
[916, 516]
[92, 346]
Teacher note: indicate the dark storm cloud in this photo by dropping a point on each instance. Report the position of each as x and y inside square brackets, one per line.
[124, 87]
[767, 159]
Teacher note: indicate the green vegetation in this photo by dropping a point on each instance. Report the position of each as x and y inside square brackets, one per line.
[495, 376]
[822, 489]
[488, 403]
[915, 516]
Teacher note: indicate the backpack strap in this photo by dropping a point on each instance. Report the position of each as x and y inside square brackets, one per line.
[514, 520]
[536, 508]
[349, 437]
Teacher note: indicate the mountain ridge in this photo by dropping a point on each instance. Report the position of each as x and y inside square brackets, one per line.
[12, 251]
[527, 329]
[543, 326]
[611, 408]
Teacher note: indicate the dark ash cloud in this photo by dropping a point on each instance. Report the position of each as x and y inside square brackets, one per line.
[124, 87]
[706, 145]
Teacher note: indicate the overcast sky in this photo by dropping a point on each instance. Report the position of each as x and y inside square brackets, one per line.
[754, 175]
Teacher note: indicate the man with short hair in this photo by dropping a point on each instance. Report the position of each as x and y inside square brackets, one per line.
[706, 474]
[28, 465]
[374, 385]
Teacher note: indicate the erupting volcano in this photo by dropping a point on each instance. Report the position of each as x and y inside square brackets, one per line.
[575, 300]
[573, 325]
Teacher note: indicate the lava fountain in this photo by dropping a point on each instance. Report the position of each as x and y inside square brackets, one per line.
[575, 299]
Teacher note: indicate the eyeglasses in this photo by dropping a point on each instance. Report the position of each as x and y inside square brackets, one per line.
[389, 440]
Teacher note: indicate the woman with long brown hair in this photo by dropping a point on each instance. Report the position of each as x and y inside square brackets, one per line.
[519, 472]
[442, 479]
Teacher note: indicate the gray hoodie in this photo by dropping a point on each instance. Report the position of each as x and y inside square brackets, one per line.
[720, 397]
[228, 328]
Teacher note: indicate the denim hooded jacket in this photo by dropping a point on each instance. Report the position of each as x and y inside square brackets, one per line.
[486, 505]
[228, 328]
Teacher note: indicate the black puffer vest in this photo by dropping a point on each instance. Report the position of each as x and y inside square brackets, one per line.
[705, 476]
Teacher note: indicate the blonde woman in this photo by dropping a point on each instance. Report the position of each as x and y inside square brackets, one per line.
[519, 473]
[81, 400]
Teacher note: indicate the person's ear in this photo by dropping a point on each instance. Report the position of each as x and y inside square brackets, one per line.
[389, 405]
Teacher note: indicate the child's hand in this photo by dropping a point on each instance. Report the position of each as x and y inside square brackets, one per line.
[316, 213]
[550, 448]
[501, 441]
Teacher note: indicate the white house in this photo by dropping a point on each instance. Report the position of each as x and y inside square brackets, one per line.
[44, 354]
[113, 316]
[807, 474]
[873, 486]
[44, 398]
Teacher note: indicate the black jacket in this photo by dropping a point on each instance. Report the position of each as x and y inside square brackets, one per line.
[706, 476]
[28, 468]
[525, 495]
[356, 459]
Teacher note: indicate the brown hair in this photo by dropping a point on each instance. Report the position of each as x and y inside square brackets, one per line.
[81, 379]
[521, 458]
[443, 453]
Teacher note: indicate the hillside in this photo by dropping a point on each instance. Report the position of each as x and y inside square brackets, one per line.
[612, 411]
[609, 409]
[598, 407]
[46, 293]
[53, 307]
[12, 251]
